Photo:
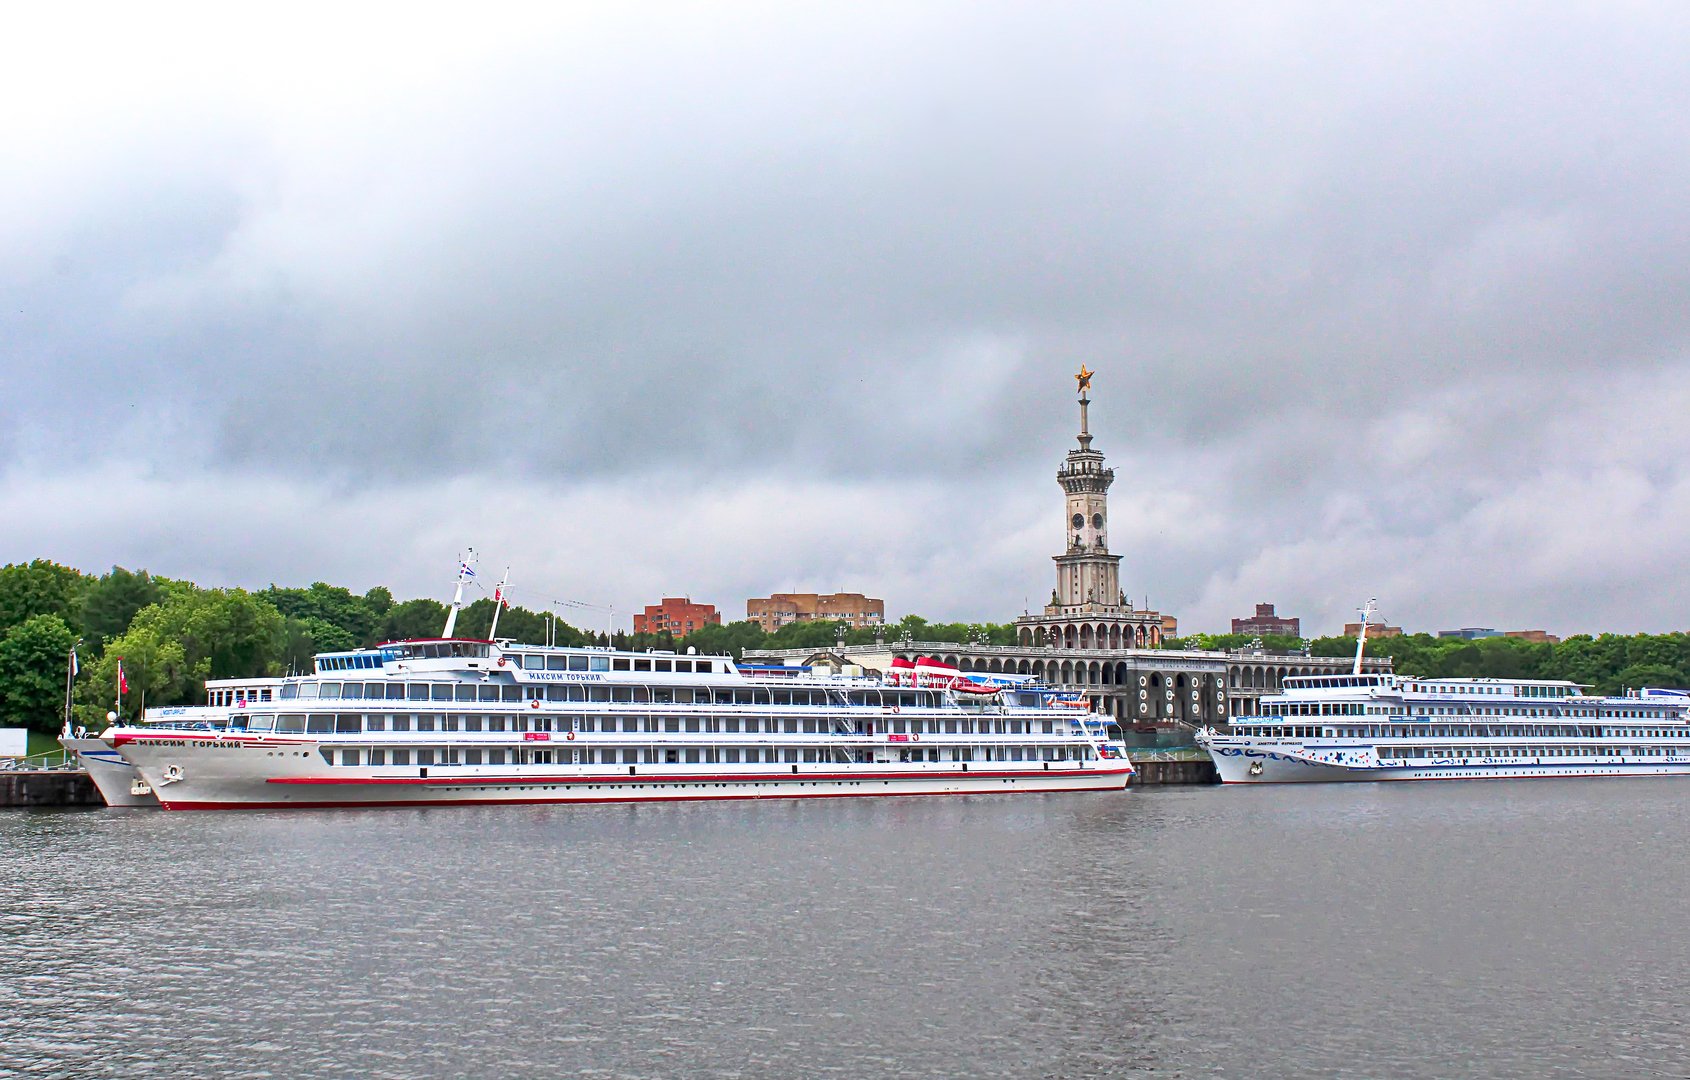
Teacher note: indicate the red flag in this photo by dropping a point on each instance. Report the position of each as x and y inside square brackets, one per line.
[499, 597]
[122, 683]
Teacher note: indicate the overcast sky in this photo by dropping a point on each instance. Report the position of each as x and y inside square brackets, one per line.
[722, 299]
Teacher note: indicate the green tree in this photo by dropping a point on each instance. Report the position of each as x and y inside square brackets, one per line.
[111, 601]
[307, 637]
[1637, 676]
[39, 587]
[727, 639]
[378, 600]
[421, 618]
[171, 648]
[330, 604]
[34, 656]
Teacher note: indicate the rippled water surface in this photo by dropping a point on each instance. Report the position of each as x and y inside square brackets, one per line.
[1506, 929]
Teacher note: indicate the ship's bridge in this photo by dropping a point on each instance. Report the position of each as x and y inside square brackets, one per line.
[1343, 684]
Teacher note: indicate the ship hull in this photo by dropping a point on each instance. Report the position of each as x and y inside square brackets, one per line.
[1237, 764]
[193, 775]
[115, 778]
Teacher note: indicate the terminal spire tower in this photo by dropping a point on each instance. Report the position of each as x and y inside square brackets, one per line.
[1088, 577]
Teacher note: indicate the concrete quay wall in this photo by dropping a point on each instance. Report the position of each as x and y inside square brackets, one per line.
[56, 787]
[65, 787]
[1156, 773]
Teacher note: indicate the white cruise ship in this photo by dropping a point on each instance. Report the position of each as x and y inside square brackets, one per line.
[457, 720]
[1396, 727]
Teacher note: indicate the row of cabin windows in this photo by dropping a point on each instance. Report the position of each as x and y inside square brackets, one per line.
[1471, 731]
[655, 755]
[360, 662]
[659, 695]
[1467, 710]
[228, 698]
[1487, 689]
[355, 723]
[1399, 752]
[554, 662]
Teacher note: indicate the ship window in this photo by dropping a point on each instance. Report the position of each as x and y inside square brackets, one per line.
[510, 693]
[577, 663]
[598, 663]
[661, 665]
[416, 691]
[425, 723]
[348, 723]
[442, 691]
[619, 663]
[642, 665]
[557, 662]
[353, 691]
[291, 723]
[533, 662]
[261, 723]
[472, 756]
[464, 692]
[328, 690]
[402, 723]
[375, 723]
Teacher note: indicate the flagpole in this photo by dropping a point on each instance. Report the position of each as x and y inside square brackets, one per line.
[70, 677]
[499, 602]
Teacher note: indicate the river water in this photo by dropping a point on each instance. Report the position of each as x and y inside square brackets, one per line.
[1487, 929]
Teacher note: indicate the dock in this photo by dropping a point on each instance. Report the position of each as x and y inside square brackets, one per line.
[48, 787]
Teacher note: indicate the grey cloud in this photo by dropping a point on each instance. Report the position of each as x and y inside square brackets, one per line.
[1336, 267]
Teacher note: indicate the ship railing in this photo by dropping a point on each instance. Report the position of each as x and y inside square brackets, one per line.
[47, 761]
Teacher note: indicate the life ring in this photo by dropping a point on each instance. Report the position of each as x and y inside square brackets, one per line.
[915, 737]
[535, 704]
[501, 661]
[569, 735]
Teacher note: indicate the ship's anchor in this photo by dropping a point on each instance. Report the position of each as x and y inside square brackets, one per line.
[1255, 768]
[172, 773]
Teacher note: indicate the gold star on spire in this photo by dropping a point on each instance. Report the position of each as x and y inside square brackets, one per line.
[1084, 378]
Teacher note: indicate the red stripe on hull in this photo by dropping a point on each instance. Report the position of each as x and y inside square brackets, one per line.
[723, 778]
[603, 799]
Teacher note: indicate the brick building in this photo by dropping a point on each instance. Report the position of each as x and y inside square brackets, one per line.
[1374, 630]
[781, 609]
[678, 615]
[1264, 621]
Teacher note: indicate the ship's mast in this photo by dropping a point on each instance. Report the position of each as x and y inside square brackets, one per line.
[499, 601]
[466, 570]
[1361, 638]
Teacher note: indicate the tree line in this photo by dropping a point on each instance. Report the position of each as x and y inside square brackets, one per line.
[173, 635]
[1608, 663]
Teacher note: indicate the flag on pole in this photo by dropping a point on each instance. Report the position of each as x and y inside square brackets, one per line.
[75, 664]
[499, 597]
[466, 570]
[122, 682]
